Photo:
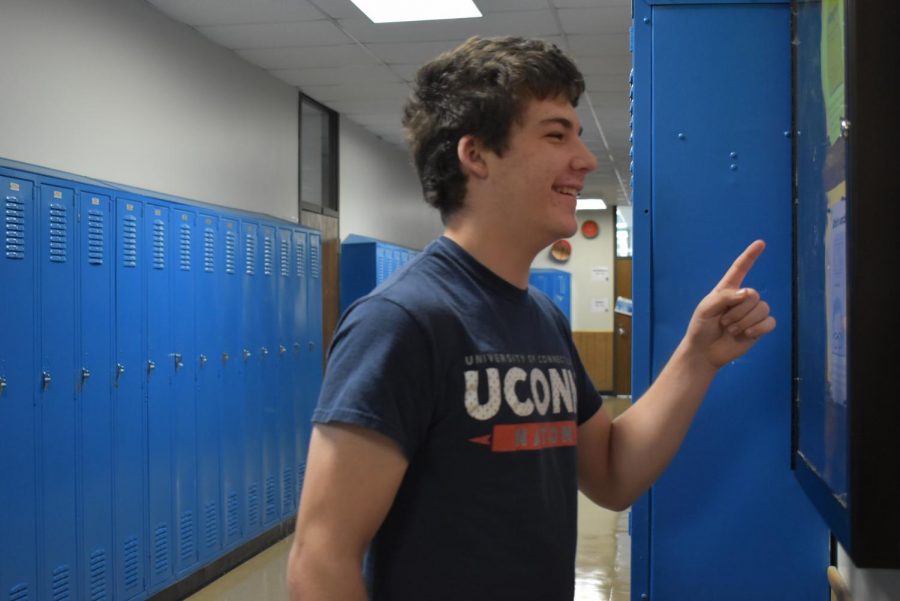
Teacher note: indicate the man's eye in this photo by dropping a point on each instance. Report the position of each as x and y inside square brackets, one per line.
[556, 135]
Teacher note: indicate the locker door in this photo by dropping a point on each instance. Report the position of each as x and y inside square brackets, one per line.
[184, 360]
[56, 399]
[159, 370]
[287, 286]
[268, 362]
[381, 266]
[314, 291]
[129, 409]
[302, 397]
[95, 386]
[18, 382]
[211, 324]
[232, 412]
[252, 384]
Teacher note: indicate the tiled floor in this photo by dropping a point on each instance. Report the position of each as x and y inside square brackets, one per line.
[603, 562]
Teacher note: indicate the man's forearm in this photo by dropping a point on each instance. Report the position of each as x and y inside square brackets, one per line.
[645, 438]
[321, 576]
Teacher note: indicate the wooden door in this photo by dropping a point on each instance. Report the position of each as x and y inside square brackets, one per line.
[622, 330]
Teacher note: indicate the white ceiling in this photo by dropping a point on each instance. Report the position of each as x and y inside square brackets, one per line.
[333, 53]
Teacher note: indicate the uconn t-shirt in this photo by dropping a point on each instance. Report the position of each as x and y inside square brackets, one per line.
[480, 385]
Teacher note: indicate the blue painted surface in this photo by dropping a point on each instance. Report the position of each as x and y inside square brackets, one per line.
[120, 483]
[366, 263]
[18, 485]
[557, 285]
[712, 173]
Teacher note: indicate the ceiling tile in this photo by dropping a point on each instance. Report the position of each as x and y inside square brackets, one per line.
[273, 35]
[590, 3]
[493, 6]
[599, 45]
[232, 12]
[613, 64]
[308, 57]
[358, 89]
[339, 9]
[595, 20]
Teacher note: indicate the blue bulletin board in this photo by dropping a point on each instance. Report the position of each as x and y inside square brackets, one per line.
[846, 453]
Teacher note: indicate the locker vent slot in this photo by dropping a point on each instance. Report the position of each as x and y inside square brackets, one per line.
[95, 237]
[301, 260]
[19, 592]
[379, 262]
[314, 260]
[209, 250]
[271, 505]
[129, 241]
[185, 239]
[212, 526]
[287, 498]
[15, 228]
[232, 519]
[186, 527]
[285, 259]
[130, 562]
[58, 241]
[98, 575]
[253, 504]
[230, 246]
[250, 253]
[59, 584]
[161, 550]
[301, 472]
[159, 244]
[268, 251]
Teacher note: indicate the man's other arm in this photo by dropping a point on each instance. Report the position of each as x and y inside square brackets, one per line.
[352, 477]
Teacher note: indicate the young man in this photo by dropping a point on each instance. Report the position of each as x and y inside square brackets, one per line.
[456, 422]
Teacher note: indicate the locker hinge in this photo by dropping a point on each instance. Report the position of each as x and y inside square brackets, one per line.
[151, 365]
[85, 374]
[203, 360]
[178, 360]
[45, 380]
[2, 385]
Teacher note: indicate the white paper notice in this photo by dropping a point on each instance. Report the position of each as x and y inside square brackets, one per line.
[599, 305]
[599, 274]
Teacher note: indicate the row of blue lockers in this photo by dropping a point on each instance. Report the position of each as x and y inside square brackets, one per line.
[158, 364]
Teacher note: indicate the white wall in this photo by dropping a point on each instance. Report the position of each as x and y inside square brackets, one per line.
[588, 254]
[380, 195]
[869, 585]
[114, 90]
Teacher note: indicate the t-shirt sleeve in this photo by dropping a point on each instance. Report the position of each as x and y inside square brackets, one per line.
[379, 374]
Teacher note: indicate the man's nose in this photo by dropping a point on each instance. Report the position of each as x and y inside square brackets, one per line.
[585, 159]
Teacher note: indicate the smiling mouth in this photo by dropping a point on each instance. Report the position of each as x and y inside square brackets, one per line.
[568, 191]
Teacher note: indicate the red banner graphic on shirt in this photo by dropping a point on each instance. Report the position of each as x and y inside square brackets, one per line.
[508, 438]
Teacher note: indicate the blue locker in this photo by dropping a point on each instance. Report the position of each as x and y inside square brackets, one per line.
[252, 403]
[129, 409]
[159, 370]
[95, 393]
[556, 284]
[56, 399]
[712, 165]
[269, 384]
[18, 383]
[183, 359]
[302, 374]
[232, 406]
[287, 285]
[210, 310]
[366, 263]
[314, 307]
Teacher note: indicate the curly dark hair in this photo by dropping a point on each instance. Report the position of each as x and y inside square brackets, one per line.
[478, 89]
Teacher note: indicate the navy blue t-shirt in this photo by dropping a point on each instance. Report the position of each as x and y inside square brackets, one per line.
[480, 385]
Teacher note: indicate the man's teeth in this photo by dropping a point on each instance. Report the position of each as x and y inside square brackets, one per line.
[569, 191]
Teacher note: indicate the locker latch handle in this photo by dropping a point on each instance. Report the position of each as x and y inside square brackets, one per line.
[178, 362]
[2, 385]
[281, 349]
[85, 374]
[312, 345]
[120, 369]
[203, 360]
[150, 366]
[264, 351]
[225, 357]
[247, 354]
[297, 347]
[45, 379]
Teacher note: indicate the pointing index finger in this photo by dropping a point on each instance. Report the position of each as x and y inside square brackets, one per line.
[735, 275]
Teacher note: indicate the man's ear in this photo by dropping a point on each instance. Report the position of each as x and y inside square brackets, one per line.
[470, 152]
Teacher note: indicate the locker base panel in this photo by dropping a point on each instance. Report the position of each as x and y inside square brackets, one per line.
[212, 571]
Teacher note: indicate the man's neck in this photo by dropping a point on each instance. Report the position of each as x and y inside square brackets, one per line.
[499, 250]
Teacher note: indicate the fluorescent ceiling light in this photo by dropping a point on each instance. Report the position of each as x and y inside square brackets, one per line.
[590, 204]
[393, 11]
